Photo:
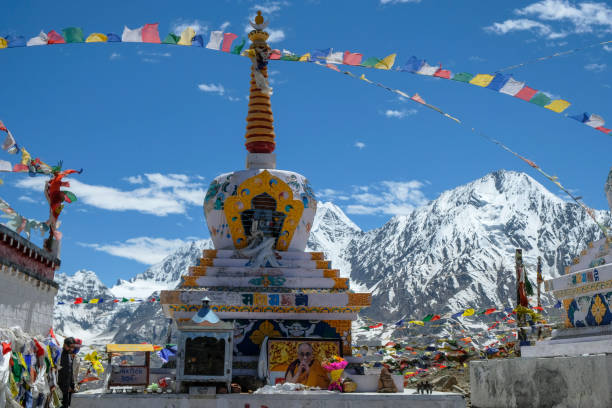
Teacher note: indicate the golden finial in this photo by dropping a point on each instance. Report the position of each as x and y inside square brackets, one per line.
[259, 18]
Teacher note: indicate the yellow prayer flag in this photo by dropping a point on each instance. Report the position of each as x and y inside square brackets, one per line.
[25, 156]
[187, 36]
[419, 322]
[3, 43]
[22, 361]
[304, 57]
[96, 37]
[131, 299]
[386, 63]
[94, 300]
[363, 78]
[468, 312]
[482, 80]
[50, 356]
[558, 105]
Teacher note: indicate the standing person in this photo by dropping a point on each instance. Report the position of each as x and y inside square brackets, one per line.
[64, 377]
[76, 364]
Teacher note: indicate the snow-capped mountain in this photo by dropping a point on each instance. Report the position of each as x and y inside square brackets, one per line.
[457, 251]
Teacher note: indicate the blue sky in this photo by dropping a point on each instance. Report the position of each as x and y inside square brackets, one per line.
[152, 124]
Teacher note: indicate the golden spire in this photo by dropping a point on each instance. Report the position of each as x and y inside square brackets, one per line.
[260, 122]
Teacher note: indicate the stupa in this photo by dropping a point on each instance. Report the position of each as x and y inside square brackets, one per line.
[259, 275]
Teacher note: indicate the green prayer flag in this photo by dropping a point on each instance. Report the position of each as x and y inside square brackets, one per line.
[428, 317]
[73, 35]
[483, 311]
[238, 48]
[69, 196]
[365, 328]
[540, 99]
[125, 300]
[171, 39]
[370, 62]
[462, 77]
[528, 286]
[16, 368]
[290, 57]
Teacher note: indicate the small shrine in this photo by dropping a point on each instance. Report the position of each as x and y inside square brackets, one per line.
[259, 276]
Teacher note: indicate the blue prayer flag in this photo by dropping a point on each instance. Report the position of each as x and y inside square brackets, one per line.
[412, 65]
[28, 360]
[401, 322]
[456, 315]
[498, 82]
[508, 310]
[197, 41]
[558, 304]
[113, 37]
[15, 41]
[581, 117]
[318, 55]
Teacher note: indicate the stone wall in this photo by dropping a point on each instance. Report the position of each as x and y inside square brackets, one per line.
[25, 301]
[583, 381]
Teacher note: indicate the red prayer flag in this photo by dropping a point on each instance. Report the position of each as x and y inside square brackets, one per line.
[351, 58]
[601, 128]
[275, 55]
[332, 66]
[526, 93]
[489, 311]
[40, 351]
[510, 321]
[417, 98]
[115, 300]
[78, 300]
[540, 308]
[53, 336]
[442, 73]
[2, 127]
[376, 326]
[53, 37]
[150, 33]
[436, 317]
[228, 39]
[6, 348]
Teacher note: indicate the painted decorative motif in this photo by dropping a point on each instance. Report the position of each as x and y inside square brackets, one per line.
[586, 311]
[266, 309]
[265, 329]
[266, 281]
[263, 182]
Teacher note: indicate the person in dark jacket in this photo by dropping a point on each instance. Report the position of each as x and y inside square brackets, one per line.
[64, 376]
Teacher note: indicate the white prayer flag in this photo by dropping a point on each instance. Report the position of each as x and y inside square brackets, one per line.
[134, 35]
[335, 58]
[8, 142]
[512, 87]
[595, 121]
[5, 166]
[427, 69]
[216, 38]
[40, 39]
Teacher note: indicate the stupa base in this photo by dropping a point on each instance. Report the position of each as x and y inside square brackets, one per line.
[579, 381]
[295, 399]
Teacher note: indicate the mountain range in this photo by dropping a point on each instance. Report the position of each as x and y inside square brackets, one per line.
[455, 252]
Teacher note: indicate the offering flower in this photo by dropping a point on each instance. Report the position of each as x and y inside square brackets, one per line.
[335, 365]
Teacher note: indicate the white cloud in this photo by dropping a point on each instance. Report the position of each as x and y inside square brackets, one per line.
[218, 89]
[399, 114]
[608, 48]
[134, 179]
[198, 26]
[569, 18]
[114, 56]
[384, 198]
[145, 250]
[275, 35]
[154, 54]
[595, 67]
[224, 25]
[360, 145]
[158, 194]
[269, 8]
[27, 199]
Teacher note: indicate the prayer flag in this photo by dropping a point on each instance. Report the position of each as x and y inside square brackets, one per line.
[216, 38]
[603, 129]
[150, 33]
[305, 57]
[558, 105]
[417, 98]
[417, 322]
[498, 82]
[456, 315]
[3, 43]
[112, 37]
[123, 300]
[387, 62]
[489, 311]
[171, 39]
[370, 62]
[512, 87]
[96, 37]
[462, 77]
[540, 308]
[335, 58]
[115, 300]
[197, 41]
[131, 299]
[129, 35]
[594, 121]
[468, 312]
[436, 317]
[15, 41]
[40, 39]
[78, 300]
[238, 48]
[5, 166]
[228, 39]
[333, 66]
[526, 93]
[6, 347]
[401, 93]
[376, 326]
[481, 80]
[412, 65]
[289, 56]
[73, 35]
[558, 304]
[428, 317]
[350, 58]
[275, 55]
[582, 117]
[101, 301]
[427, 69]
[9, 143]
[318, 55]
[540, 99]
[399, 323]
[94, 301]
[443, 73]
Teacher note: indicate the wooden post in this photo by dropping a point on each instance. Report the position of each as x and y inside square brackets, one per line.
[540, 279]
[147, 364]
[520, 293]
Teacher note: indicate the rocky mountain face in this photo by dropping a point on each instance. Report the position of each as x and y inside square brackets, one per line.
[453, 253]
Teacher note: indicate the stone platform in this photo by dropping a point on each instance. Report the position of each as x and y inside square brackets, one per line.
[310, 399]
[572, 382]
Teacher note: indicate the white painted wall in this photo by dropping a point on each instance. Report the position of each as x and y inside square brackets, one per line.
[25, 302]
